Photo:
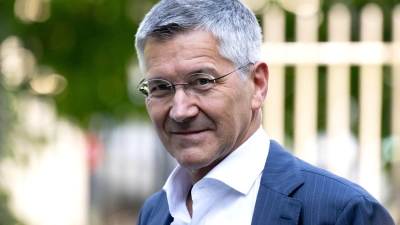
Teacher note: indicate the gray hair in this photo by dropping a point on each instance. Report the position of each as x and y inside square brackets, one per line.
[232, 24]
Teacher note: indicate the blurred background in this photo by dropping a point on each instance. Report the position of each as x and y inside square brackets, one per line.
[77, 146]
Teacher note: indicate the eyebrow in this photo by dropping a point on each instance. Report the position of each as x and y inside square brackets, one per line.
[206, 70]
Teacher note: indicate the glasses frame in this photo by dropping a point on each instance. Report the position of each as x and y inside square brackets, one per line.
[140, 87]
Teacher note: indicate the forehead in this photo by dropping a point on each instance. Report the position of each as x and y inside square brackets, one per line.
[183, 53]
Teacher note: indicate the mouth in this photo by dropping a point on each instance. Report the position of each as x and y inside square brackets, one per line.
[188, 132]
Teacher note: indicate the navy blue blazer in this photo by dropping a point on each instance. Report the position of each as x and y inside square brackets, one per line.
[294, 192]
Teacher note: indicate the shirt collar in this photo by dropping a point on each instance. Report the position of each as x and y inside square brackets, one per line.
[242, 167]
[177, 188]
[239, 170]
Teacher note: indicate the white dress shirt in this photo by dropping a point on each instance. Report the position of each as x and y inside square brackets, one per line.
[228, 193]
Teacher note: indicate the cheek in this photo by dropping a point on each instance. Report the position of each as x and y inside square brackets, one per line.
[157, 115]
[226, 110]
[237, 100]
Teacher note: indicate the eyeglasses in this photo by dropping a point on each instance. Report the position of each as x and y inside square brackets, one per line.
[196, 84]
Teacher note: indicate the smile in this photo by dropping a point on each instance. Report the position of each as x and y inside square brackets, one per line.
[194, 135]
[190, 132]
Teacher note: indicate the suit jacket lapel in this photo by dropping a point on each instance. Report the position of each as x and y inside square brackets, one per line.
[281, 176]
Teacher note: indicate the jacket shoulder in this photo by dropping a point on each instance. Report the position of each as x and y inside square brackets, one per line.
[322, 179]
[336, 197]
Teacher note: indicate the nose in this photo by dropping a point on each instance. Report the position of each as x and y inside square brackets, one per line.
[183, 107]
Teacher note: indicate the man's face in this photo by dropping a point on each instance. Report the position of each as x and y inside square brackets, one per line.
[198, 131]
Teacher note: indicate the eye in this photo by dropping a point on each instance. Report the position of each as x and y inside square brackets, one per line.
[201, 81]
[160, 87]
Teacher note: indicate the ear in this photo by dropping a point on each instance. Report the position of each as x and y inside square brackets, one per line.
[259, 75]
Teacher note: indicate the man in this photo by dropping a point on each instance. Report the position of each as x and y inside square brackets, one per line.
[204, 85]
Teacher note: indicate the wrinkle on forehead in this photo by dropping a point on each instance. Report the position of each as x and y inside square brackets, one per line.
[183, 54]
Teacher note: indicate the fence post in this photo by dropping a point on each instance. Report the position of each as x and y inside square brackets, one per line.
[341, 153]
[274, 107]
[305, 105]
[370, 104]
[396, 111]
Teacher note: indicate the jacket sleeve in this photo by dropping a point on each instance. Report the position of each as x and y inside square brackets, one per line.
[362, 210]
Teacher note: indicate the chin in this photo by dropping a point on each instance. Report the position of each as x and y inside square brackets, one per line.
[194, 164]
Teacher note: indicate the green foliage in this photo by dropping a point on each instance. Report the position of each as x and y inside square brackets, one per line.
[6, 217]
[6, 119]
[91, 44]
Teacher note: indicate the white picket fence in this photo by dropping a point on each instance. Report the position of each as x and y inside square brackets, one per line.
[343, 152]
